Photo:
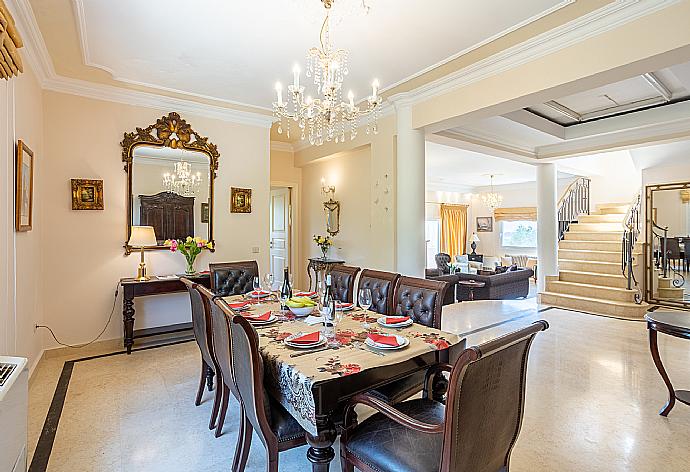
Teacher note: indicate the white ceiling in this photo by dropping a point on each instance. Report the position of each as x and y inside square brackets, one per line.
[236, 51]
[448, 167]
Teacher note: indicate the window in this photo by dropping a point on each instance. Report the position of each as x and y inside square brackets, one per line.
[432, 233]
[519, 234]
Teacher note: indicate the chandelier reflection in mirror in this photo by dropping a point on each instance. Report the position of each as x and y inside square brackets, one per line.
[325, 118]
[182, 181]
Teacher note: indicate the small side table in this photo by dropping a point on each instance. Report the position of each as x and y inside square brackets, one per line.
[674, 324]
[471, 285]
[318, 265]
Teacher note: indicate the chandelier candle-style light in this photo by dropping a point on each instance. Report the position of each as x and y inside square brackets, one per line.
[492, 199]
[325, 118]
[182, 181]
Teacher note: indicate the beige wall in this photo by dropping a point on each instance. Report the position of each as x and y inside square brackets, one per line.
[84, 257]
[21, 117]
[350, 173]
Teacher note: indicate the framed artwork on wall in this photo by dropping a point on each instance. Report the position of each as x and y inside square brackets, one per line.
[24, 187]
[87, 194]
[485, 224]
[204, 213]
[240, 200]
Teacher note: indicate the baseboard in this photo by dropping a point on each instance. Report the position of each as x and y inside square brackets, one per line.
[33, 366]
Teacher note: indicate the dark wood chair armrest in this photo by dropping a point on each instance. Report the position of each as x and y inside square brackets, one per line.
[395, 415]
[430, 372]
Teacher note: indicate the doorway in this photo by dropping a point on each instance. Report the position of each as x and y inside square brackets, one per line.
[280, 242]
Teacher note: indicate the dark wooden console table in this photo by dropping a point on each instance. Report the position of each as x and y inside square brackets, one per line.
[674, 324]
[320, 264]
[133, 289]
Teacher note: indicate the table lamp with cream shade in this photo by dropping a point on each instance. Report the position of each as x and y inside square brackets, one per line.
[142, 237]
[475, 240]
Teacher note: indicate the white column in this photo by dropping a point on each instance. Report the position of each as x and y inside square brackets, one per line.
[410, 195]
[547, 223]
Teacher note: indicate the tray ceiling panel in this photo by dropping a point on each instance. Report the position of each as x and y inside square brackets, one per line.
[236, 51]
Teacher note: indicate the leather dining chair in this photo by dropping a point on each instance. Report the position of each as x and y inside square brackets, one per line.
[343, 282]
[233, 278]
[221, 348]
[474, 432]
[421, 300]
[201, 323]
[276, 428]
[382, 286]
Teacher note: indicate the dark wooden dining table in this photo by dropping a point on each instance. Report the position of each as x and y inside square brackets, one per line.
[315, 387]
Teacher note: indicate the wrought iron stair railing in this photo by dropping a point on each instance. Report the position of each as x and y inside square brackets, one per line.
[574, 202]
[661, 255]
[631, 234]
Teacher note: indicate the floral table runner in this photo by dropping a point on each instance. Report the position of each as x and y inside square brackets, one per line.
[290, 379]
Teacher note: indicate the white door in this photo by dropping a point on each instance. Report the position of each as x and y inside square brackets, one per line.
[280, 232]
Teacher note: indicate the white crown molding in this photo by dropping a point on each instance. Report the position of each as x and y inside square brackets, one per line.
[41, 63]
[489, 140]
[607, 18]
[282, 146]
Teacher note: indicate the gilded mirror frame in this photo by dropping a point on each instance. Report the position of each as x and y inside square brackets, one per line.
[332, 210]
[173, 132]
[653, 228]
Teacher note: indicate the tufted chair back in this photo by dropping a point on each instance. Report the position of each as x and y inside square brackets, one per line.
[421, 300]
[220, 330]
[382, 285]
[233, 278]
[343, 282]
[442, 262]
[486, 400]
[201, 323]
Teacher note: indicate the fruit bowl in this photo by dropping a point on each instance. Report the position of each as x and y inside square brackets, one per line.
[302, 311]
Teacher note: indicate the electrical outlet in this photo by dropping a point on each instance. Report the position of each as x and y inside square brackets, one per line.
[255, 250]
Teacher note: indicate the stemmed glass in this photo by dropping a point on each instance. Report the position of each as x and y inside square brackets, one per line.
[256, 283]
[268, 282]
[365, 300]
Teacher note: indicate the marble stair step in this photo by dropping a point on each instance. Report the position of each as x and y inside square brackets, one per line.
[597, 227]
[584, 277]
[613, 208]
[671, 293]
[613, 246]
[587, 255]
[604, 236]
[591, 291]
[594, 305]
[604, 218]
[597, 267]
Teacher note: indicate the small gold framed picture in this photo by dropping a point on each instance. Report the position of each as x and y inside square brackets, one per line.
[24, 187]
[240, 200]
[87, 194]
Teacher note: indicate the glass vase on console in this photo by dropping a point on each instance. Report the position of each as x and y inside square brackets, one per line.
[190, 248]
[324, 243]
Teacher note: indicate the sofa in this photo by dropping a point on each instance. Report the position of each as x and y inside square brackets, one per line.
[505, 286]
[452, 279]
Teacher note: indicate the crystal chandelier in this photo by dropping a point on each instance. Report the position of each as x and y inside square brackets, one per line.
[492, 199]
[182, 181]
[325, 118]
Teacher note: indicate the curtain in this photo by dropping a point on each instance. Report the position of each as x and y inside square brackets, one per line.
[516, 214]
[453, 229]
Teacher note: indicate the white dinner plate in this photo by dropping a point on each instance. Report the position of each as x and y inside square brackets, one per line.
[262, 294]
[320, 342]
[402, 342]
[404, 324]
[271, 319]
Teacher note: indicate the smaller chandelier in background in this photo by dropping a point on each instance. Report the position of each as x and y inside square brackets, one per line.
[326, 117]
[182, 181]
[492, 199]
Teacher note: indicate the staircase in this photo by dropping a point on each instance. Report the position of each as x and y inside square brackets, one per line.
[590, 277]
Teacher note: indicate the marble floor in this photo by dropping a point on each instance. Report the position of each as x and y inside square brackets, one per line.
[592, 402]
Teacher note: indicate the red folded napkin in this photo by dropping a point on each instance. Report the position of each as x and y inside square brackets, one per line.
[262, 293]
[396, 319]
[384, 339]
[343, 305]
[238, 305]
[310, 338]
[265, 317]
[305, 294]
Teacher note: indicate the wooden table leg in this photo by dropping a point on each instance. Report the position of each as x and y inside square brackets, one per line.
[128, 319]
[320, 452]
[654, 347]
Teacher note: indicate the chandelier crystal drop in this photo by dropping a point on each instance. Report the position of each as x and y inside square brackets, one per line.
[326, 117]
[182, 181]
[492, 199]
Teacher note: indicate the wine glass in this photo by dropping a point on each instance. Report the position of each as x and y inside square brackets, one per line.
[365, 300]
[256, 283]
[268, 282]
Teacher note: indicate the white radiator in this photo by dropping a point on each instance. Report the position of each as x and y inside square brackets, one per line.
[14, 401]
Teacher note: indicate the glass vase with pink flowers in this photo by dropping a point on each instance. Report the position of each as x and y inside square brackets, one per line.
[189, 248]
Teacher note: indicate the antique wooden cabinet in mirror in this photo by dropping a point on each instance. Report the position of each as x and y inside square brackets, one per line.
[170, 173]
[668, 244]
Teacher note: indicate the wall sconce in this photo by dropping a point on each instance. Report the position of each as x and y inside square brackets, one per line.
[328, 191]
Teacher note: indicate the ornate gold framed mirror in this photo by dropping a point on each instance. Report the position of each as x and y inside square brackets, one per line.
[668, 244]
[170, 174]
[332, 210]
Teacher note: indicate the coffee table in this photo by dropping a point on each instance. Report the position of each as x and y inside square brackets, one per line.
[471, 285]
[673, 323]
